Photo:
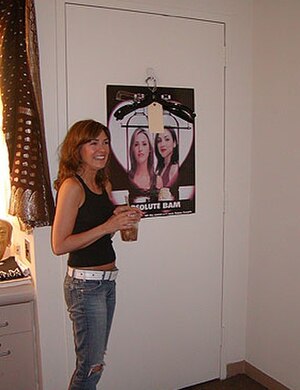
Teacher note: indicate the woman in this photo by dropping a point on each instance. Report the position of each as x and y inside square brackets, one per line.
[166, 151]
[141, 175]
[84, 222]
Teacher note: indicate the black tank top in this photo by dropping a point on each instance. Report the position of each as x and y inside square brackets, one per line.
[95, 210]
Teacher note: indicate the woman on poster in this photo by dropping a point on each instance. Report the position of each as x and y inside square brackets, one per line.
[142, 179]
[166, 151]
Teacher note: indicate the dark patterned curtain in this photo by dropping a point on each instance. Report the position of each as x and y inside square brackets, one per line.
[31, 197]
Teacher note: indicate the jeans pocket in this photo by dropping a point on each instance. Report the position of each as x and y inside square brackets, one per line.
[88, 286]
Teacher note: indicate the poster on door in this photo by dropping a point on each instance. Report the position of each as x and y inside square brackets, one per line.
[152, 168]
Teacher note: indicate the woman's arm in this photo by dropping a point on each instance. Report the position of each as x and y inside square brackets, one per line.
[70, 198]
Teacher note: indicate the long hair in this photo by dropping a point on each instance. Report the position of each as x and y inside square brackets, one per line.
[175, 154]
[140, 130]
[70, 161]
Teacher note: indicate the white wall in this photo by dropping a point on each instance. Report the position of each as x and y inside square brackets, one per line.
[238, 17]
[273, 324]
[48, 268]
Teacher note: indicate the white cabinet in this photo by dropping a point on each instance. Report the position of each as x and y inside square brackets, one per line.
[18, 363]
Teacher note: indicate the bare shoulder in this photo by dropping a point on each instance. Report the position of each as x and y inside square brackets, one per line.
[72, 181]
[71, 190]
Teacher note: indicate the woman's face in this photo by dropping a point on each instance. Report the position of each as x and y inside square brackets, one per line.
[95, 153]
[141, 148]
[165, 144]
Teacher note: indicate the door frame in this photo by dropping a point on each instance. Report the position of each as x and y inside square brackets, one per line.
[62, 111]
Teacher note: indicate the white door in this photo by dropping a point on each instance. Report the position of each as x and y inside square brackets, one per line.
[167, 327]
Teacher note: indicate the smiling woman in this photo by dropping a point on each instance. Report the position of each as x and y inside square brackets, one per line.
[85, 221]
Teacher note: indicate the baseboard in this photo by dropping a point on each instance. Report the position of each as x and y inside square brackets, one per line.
[254, 373]
[236, 368]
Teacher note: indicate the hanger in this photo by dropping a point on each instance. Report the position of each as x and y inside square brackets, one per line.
[144, 100]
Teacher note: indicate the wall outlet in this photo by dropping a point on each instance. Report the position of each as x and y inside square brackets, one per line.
[27, 250]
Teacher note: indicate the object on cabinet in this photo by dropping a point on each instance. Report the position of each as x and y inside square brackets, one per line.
[12, 269]
[5, 236]
[14, 273]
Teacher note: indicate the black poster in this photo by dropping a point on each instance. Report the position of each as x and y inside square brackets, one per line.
[152, 171]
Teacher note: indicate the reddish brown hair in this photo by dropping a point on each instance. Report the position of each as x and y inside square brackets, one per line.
[79, 133]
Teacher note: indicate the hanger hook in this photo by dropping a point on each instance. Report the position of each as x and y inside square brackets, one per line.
[151, 83]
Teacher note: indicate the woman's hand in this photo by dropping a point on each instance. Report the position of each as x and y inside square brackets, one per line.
[123, 208]
[124, 217]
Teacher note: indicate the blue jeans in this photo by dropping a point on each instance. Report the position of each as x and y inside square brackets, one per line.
[91, 305]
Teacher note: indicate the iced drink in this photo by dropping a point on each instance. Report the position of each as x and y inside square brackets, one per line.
[131, 233]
